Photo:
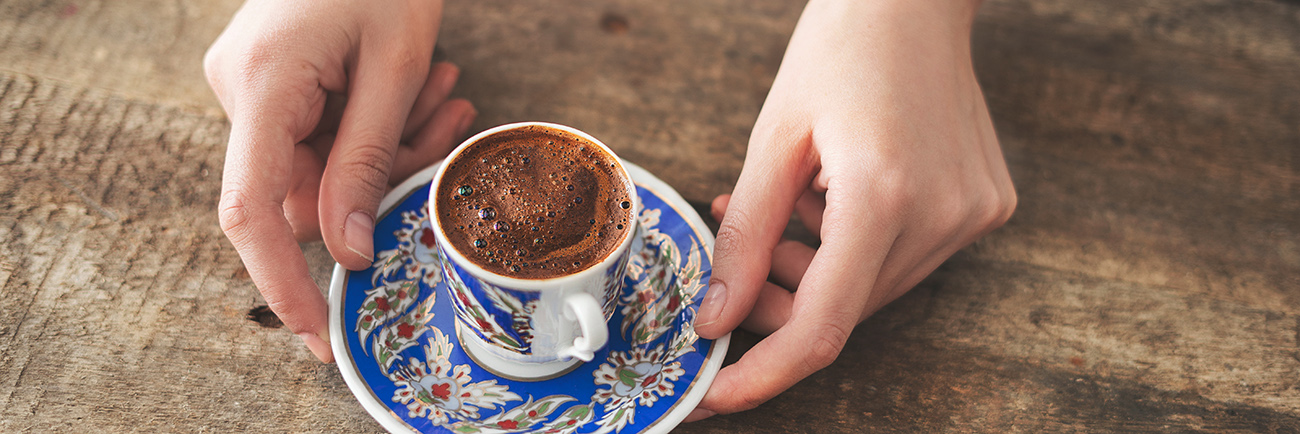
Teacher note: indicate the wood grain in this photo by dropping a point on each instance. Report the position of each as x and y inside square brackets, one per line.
[1148, 282]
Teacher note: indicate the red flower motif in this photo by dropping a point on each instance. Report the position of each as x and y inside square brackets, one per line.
[405, 330]
[508, 424]
[427, 238]
[650, 379]
[532, 413]
[441, 391]
[674, 302]
[483, 324]
[383, 304]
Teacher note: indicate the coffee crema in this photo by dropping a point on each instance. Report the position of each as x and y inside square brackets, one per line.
[534, 203]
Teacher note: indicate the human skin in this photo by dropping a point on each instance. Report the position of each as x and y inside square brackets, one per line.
[328, 101]
[875, 133]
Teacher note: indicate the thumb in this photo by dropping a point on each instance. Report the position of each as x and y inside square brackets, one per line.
[777, 169]
[356, 176]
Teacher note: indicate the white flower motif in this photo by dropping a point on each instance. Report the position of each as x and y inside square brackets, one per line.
[436, 390]
[634, 377]
[416, 251]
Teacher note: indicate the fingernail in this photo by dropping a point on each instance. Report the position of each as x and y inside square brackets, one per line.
[711, 308]
[319, 347]
[463, 127]
[357, 234]
[698, 414]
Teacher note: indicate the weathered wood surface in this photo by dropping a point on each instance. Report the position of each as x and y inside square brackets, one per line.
[1150, 280]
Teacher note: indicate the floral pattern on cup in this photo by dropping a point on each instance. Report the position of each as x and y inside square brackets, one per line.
[505, 321]
[515, 305]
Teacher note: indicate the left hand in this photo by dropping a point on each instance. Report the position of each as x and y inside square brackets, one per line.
[876, 134]
[329, 101]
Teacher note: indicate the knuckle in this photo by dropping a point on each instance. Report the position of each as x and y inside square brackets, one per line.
[211, 65]
[285, 307]
[826, 343]
[731, 239]
[748, 400]
[1009, 202]
[369, 162]
[409, 63]
[743, 395]
[895, 193]
[234, 214]
[994, 208]
[953, 211]
[253, 59]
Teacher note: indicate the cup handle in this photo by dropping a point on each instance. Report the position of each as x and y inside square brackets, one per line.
[591, 320]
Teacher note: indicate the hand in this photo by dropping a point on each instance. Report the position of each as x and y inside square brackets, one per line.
[876, 134]
[319, 95]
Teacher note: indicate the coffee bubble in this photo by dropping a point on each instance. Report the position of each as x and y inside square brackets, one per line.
[539, 169]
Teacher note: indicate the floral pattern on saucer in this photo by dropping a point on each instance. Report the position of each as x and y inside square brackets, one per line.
[402, 339]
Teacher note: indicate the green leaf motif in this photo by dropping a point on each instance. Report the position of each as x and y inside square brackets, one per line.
[628, 377]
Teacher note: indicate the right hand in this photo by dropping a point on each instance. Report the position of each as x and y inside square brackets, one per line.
[328, 100]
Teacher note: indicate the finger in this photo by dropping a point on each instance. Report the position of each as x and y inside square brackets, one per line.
[790, 260]
[356, 175]
[437, 138]
[442, 78]
[919, 253]
[304, 191]
[255, 182]
[719, 206]
[810, 207]
[775, 172]
[771, 310]
[825, 310]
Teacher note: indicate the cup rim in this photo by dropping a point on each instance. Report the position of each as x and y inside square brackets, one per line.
[515, 283]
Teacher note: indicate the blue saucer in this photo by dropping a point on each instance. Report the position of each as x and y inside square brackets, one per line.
[394, 335]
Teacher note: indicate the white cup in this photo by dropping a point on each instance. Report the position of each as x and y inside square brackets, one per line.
[532, 329]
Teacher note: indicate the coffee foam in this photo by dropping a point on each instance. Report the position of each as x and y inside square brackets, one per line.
[534, 203]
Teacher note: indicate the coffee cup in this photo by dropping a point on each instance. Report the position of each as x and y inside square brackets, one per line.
[533, 222]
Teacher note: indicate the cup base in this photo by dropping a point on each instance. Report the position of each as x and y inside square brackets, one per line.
[483, 356]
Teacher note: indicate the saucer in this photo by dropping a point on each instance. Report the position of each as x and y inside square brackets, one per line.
[394, 334]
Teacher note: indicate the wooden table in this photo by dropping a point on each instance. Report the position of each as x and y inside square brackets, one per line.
[1148, 281]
